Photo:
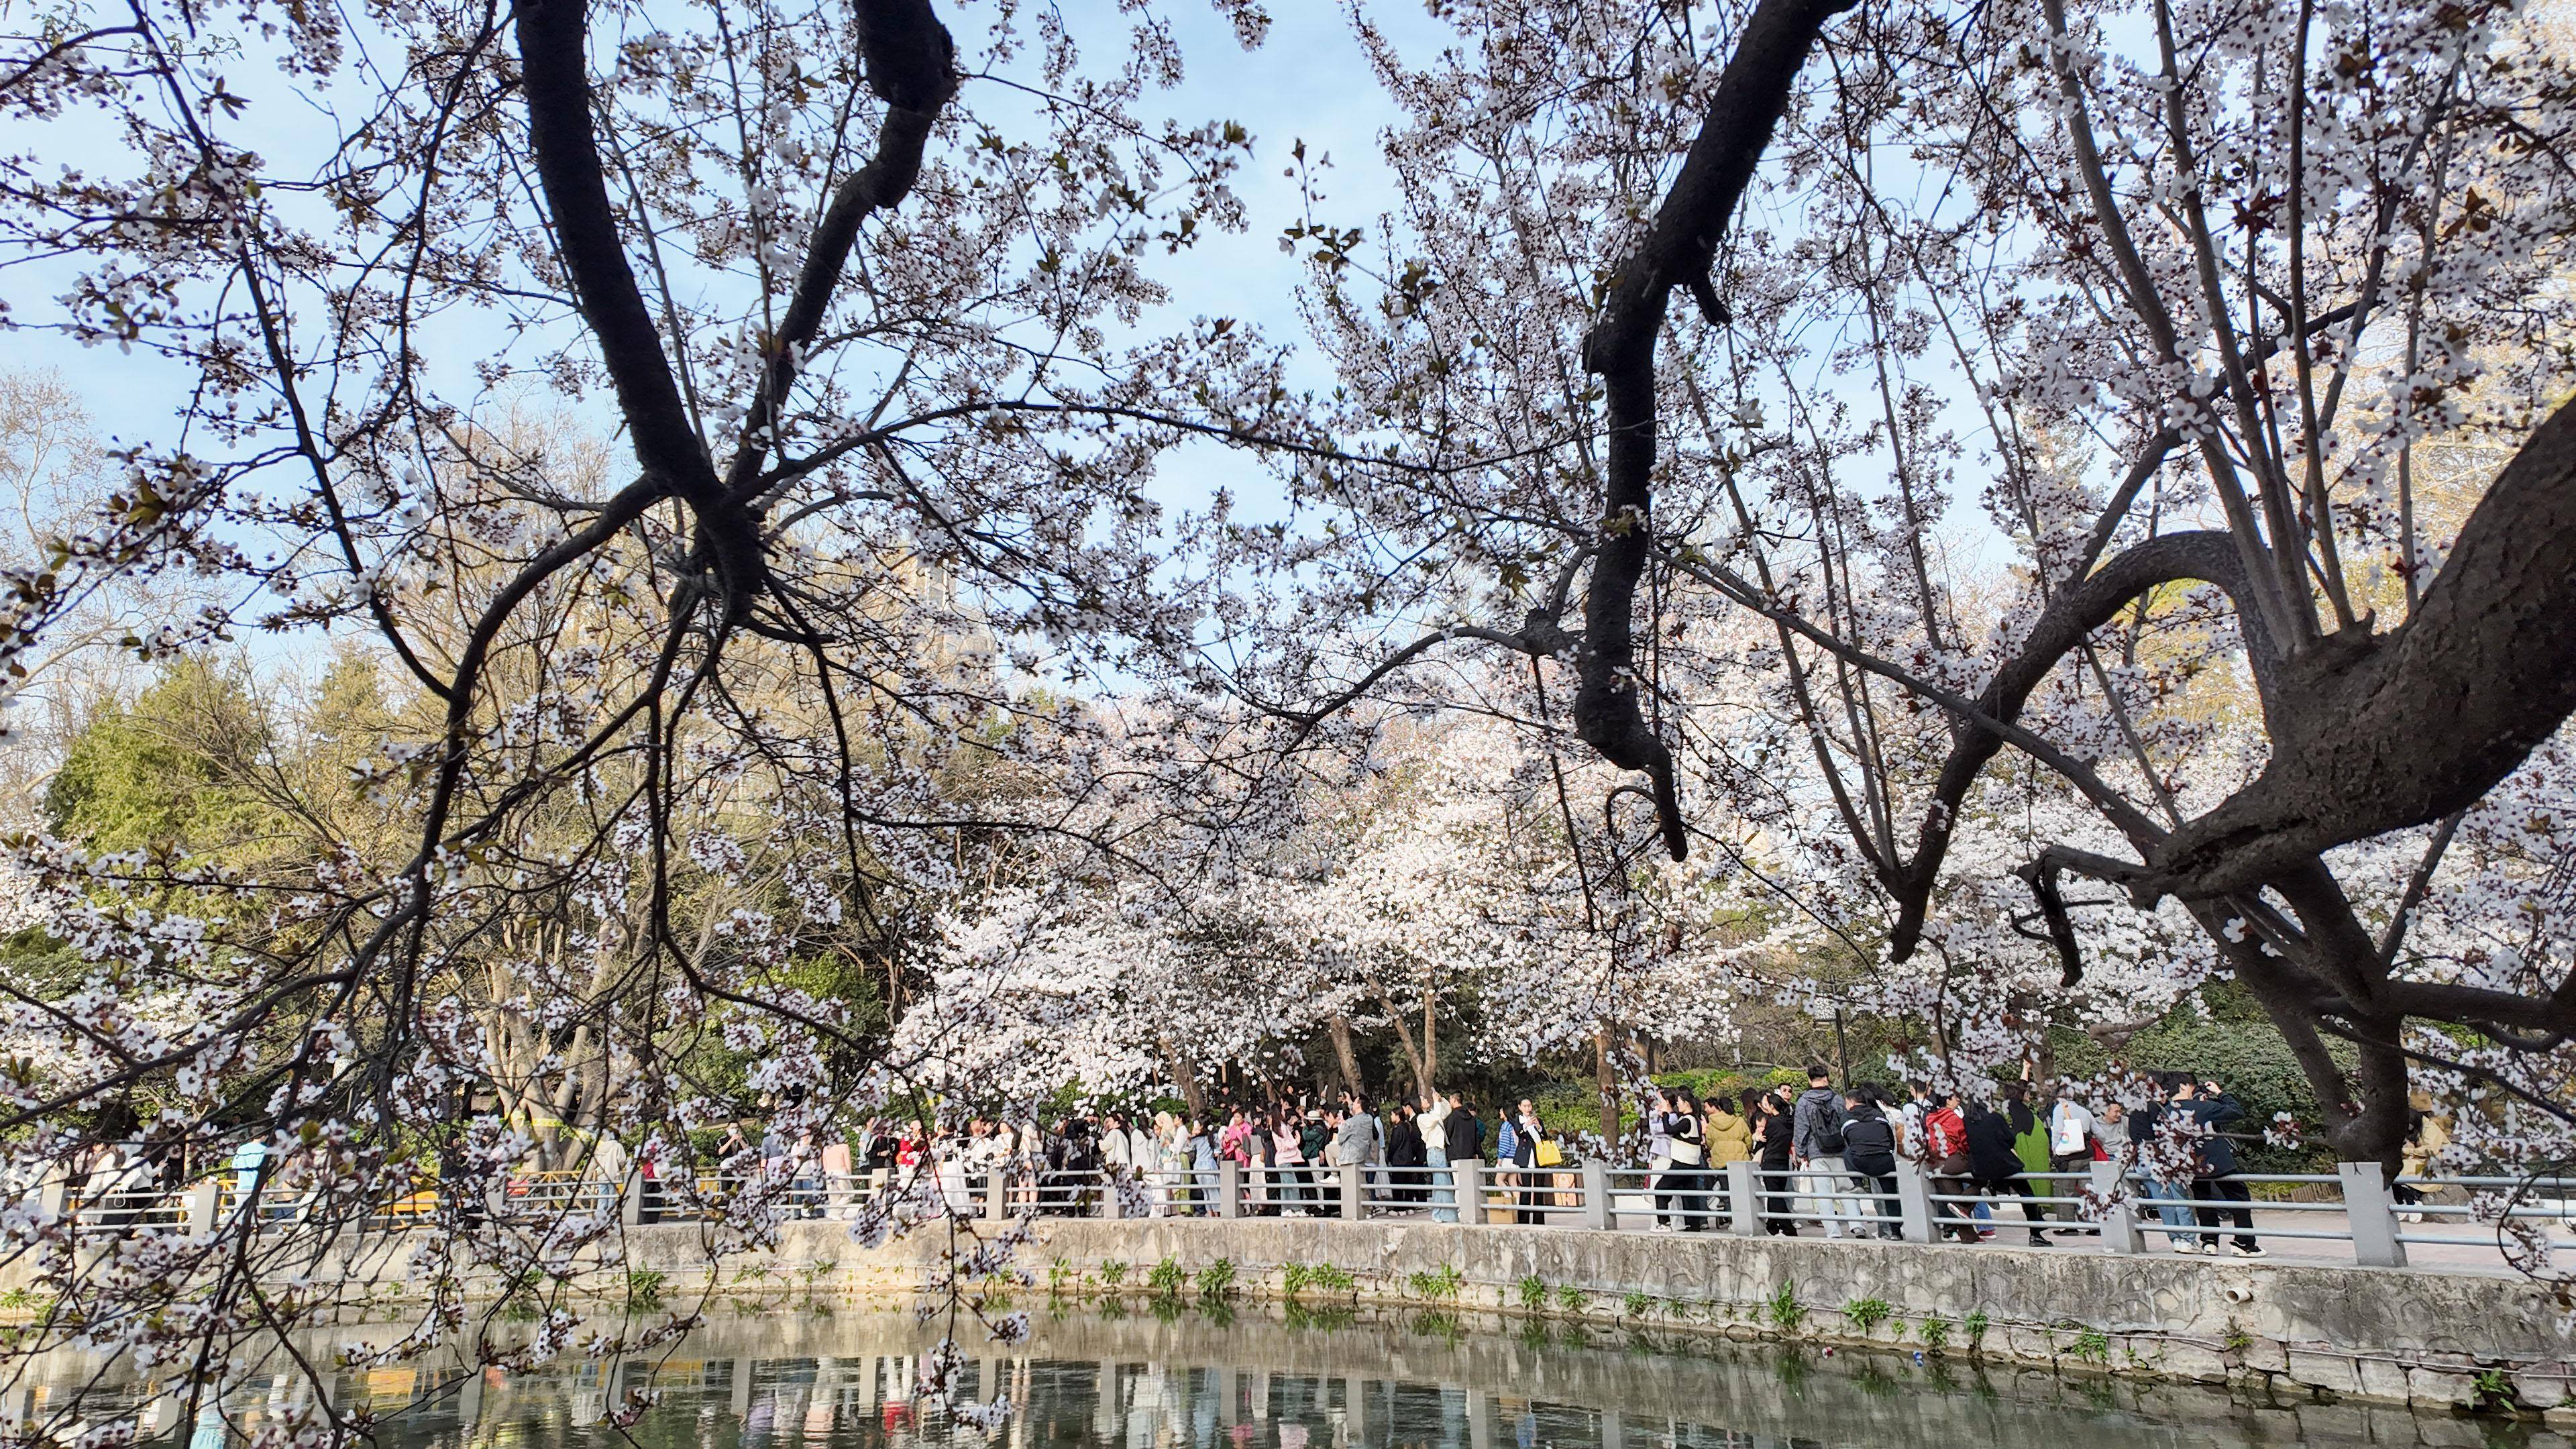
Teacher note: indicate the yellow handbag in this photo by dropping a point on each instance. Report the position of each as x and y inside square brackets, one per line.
[1548, 1155]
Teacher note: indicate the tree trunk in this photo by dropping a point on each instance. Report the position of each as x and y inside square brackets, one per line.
[1350, 1063]
[1418, 1057]
[1185, 1079]
[1430, 1041]
[1606, 1080]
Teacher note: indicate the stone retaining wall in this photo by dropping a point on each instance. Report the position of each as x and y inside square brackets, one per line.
[2382, 1335]
[2411, 1336]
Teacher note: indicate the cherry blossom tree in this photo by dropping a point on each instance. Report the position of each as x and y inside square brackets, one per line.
[872, 319]
[2196, 292]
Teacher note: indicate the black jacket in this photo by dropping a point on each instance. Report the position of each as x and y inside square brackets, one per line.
[2217, 1154]
[1990, 1146]
[1773, 1145]
[1869, 1143]
[1404, 1145]
[1463, 1135]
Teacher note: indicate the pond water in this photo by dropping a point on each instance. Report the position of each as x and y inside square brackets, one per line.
[1251, 1378]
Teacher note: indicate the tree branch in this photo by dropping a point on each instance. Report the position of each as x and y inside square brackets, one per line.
[554, 59]
[911, 66]
[2383, 734]
[1677, 250]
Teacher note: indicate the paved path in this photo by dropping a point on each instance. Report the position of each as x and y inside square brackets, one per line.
[2482, 1257]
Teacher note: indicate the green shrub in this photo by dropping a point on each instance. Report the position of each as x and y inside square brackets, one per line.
[1935, 1333]
[1637, 1304]
[1867, 1313]
[644, 1289]
[1533, 1292]
[1216, 1280]
[1785, 1310]
[2092, 1345]
[1167, 1280]
[1444, 1283]
[2492, 1392]
[1113, 1271]
[1570, 1298]
[1976, 1324]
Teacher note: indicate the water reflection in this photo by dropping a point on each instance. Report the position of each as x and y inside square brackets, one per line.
[1250, 1380]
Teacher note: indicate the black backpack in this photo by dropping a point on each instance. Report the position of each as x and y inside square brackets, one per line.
[1829, 1130]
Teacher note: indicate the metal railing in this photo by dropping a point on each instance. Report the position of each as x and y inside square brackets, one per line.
[2353, 1213]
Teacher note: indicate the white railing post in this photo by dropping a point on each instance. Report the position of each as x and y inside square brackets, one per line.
[1596, 1194]
[2372, 1211]
[1468, 1181]
[1229, 1189]
[1743, 1189]
[630, 1199]
[997, 1195]
[1914, 1200]
[2119, 1210]
[204, 1202]
[1354, 1207]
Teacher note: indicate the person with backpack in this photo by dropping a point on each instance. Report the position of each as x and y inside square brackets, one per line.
[1816, 1144]
[1869, 1150]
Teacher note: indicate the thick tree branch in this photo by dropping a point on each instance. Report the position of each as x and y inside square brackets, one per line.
[554, 59]
[2078, 610]
[1676, 251]
[911, 66]
[2385, 733]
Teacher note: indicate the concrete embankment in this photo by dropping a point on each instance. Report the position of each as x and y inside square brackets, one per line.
[2428, 1339]
[2424, 1338]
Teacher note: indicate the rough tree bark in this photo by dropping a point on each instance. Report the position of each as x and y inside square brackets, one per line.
[1344, 1057]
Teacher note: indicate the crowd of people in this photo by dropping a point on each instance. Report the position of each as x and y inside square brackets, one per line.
[1290, 1152]
[1826, 1159]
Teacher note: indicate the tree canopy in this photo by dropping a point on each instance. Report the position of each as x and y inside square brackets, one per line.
[1996, 519]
